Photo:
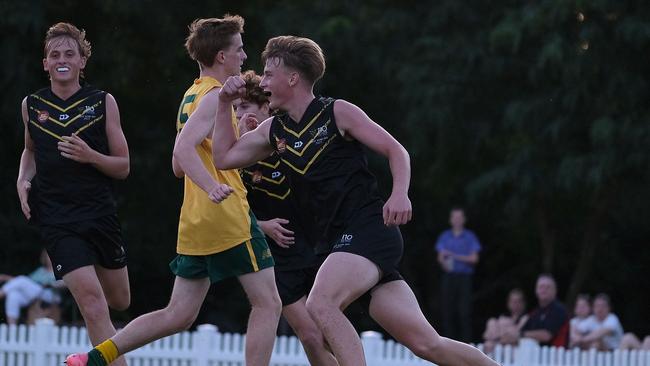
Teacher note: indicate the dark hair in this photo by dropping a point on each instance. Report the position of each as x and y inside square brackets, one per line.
[298, 53]
[209, 36]
[603, 296]
[254, 93]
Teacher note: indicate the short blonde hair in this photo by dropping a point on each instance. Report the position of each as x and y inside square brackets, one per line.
[301, 54]
[70, 31]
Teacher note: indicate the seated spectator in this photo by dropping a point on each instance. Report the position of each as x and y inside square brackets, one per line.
[631, 341]
[506, 328]
[607, 332]
[548, 324]
[22, 291]
[582, 323]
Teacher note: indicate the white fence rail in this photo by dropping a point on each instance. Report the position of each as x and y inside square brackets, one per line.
[45, 344]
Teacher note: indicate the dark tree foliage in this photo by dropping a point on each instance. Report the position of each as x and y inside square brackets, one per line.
[532, 114]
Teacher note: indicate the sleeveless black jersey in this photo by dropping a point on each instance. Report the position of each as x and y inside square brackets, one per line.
[328, 175]
[66, 191]
[269, 196]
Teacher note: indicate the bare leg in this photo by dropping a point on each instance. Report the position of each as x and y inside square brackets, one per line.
[115, 283]
[87, 292]
[264, 317]
[180, 313]
[395, 308]
[342, 278]
[310, 336]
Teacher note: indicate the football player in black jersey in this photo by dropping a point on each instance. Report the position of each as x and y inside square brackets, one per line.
[74, 149]
[270, 198]
[319, 141]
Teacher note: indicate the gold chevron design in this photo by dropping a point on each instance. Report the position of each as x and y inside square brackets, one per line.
[303, 171]
[271, 180]
[59, 108]
[61, 138]
[308, 124]
[274, 166]
[88, 124]
[62, 124]
[273, 194]
[289, 148]
[46, 130]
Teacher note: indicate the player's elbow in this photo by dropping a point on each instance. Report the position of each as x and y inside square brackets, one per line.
[222, 164]
[123, 173]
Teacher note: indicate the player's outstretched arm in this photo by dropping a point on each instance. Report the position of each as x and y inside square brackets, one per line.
[227, 151]
[116, 163]
[355, 123]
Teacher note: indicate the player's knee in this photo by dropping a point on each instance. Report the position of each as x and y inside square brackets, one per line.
[317, 307]
[179, 319]
[270, 302]
[311, 337]
[120, 302]
[428, 349]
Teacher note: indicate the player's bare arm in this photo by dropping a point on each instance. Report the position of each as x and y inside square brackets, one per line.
[354, 123]
[197, 128]
[227, 151]
[116, 164]
[176, 168]
[27, 169]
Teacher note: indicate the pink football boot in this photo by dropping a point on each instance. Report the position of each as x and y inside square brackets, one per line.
[77, 359]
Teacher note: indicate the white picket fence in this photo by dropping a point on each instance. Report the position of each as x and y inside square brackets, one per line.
[45, 344]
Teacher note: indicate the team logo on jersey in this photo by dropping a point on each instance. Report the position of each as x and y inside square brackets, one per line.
[43, 116]
[63, 117]
[297, 144]
[319, 134]
[257, 176]
[276, 175]
[280, 145]
[87, 112]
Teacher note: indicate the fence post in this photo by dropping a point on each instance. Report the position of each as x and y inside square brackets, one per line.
[372, 346]
[203, 340]
[41, 339]
[527, 352]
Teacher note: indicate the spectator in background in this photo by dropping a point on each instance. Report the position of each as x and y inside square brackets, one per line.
[458, 253]
[582, 323]
[607, 331]
[547, 324]
[21, 291]
[506, 328]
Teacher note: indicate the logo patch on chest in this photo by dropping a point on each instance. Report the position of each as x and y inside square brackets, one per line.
[43, 116]
[257, 176]
[281, 145]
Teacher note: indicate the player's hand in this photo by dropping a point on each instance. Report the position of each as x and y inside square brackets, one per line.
[23, 187]
[397, 210]
[74, 148]
[220, 192]
[274, 229]
[247, 122]
[233, 88]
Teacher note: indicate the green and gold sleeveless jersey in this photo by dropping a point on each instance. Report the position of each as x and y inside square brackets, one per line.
[206, 227]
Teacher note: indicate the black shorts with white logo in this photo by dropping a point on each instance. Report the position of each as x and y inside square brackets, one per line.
[294, 284]
[90, 242]
[367, 236]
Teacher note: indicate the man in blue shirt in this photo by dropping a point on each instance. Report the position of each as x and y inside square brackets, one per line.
[458, 250]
